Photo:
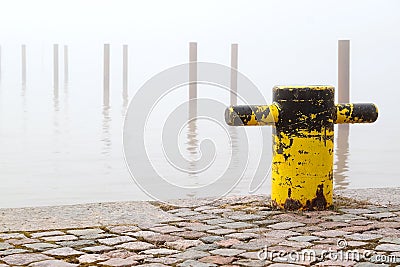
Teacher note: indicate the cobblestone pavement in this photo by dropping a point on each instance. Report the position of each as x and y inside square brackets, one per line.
[235, 231]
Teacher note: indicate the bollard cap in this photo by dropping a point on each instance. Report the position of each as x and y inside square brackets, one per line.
[303, 93]
[303, 87]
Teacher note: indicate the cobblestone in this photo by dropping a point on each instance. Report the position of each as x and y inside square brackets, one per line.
[229, 252]
[41, 246]
[4, 246]
[285, 225]
[47, 233]
[219, 260]
[86, 232]
[221, 231]
[393, 240]
[24, 259]
[192, 254]
[304, 238]
[60, 238]
[160, 251]
[388, 247]
[76, 243]
[22, 241]
[117, 262]
[97, 249]
[381, 215]
[63, 252]
[90, 258]
[12, 251]
[237, 225]
[116, 240]
[136, 246]
[162, 261]
[183, 244]
[11, 235]
[194, 263]
[363, 237]
[331, 233]
[52, 263]
[206, 247]
[224, 233]
[189, 234]
[211, 239]
[123, 229]
[243, 236]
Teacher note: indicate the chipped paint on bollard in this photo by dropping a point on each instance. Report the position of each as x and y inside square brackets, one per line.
[303, 119]
[356, 113]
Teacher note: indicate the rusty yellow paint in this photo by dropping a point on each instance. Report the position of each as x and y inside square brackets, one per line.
[356, 113]
[343, 115]
[260, 115]
[301, 169]
[272, 116]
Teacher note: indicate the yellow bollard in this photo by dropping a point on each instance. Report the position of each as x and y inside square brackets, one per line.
[303, 120]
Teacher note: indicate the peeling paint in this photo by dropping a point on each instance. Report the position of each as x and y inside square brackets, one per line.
[356, 113]
[303, 120]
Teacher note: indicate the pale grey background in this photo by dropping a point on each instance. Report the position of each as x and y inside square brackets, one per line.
[69, 151]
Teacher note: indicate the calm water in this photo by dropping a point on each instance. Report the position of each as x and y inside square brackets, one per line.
[62, 146]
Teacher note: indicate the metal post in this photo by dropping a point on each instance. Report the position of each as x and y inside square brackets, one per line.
[234, 75]
[344, 71]
[303, 118]
[106, 81]
[192, 80]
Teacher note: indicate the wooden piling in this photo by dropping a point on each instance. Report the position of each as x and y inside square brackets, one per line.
[344, 71]
[234, 74]
[106, 75]
[192, 80]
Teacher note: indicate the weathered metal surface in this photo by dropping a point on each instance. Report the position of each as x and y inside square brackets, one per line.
[303, 120]
[302, 164]
[255, 115]
[356, 113]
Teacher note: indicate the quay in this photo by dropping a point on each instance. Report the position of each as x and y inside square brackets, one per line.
[231, 231]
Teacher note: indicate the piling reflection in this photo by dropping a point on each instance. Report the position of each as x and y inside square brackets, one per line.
[234, 145]
[192, 145]
[24, 109]
[342, 154]
[66, 73]
[56, 123]
[106, 76]
[124, 79]
[0, 64]
[106, 133]
[66, 126]
[235, 150]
